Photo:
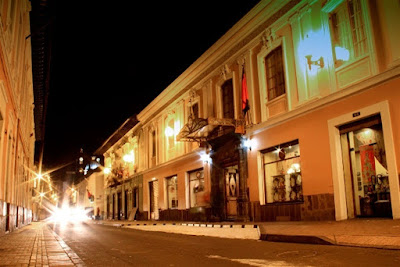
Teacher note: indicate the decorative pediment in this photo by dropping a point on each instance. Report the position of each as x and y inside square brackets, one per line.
[268, 38]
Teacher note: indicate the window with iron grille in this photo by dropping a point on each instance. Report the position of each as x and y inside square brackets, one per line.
[275, 74]
[227, 100]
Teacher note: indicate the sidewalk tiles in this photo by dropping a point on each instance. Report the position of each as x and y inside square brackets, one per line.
[36, 245]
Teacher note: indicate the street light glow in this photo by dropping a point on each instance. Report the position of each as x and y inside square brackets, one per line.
[107, 170]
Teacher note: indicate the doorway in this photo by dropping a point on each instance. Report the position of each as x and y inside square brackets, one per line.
[366, 178]
[8, 217]
[135, 203]
[113, 206]
[119, 205]
[153, 189]
[126, 204]
[231, 175]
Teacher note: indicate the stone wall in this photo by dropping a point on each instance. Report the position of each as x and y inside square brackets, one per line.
[12, 217]
[318, 208]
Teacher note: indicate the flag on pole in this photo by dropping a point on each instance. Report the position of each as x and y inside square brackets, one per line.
[245, 95]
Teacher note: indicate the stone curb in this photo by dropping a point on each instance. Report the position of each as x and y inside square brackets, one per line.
[71, 254]
[302, 239]
[184, 224]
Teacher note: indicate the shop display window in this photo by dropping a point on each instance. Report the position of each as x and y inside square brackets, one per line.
[172, 192]
[282, 173]
[196, 188]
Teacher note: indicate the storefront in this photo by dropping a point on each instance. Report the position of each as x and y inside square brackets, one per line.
[364, 163]
[124, 201]
[337, 162]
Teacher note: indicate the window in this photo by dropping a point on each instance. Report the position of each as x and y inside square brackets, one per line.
[172, 192]
[153, 143]
[349, 39]
[170, 134]
[196, 188]
[228, 109]
[274, 73]
[282, 173]
[195, 110]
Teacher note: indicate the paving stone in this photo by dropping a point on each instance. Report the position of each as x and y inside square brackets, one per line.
[36, 245]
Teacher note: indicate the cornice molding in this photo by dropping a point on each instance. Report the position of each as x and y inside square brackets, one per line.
[245, 31]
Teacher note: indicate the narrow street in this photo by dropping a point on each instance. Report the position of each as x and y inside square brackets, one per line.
[100, 245]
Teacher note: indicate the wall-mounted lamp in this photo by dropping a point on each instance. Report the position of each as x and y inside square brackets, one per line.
[319, 62]
[107, 170]
[129, 157]
[249, 143]
[169, 131]
[205, 157]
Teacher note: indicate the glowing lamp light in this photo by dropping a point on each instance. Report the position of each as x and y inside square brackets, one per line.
[295, 167]
[107, 170]
[39, 176]
[205, 157]
[249, 143]
[42, 194]
[129, 157]
[342, 53]
[169, 131]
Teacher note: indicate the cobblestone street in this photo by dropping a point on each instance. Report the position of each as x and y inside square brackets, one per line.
[36, 245]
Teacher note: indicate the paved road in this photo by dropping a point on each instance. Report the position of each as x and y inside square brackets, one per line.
[100, 245]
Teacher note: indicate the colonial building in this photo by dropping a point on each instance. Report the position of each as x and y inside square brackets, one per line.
[17, 134]
[291, 115]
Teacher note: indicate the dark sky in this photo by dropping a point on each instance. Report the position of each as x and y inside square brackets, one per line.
[110, 61]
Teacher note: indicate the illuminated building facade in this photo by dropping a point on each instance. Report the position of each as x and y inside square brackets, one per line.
[311, 134]
[17, 135]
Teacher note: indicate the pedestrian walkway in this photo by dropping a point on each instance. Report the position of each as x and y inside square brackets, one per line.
[375, 233]
[36, 245]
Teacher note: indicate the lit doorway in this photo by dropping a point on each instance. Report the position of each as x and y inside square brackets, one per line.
[153, 188]
[366, 178]
[336, 156]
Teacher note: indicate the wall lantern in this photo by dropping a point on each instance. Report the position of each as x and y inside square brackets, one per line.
[107, 170]
[129, 157]
[205, 157]
[169, 131]
[319, 62]
[249, 143]
[313, 48]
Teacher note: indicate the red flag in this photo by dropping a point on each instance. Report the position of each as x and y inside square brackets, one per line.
[88, 193]
[245, 95]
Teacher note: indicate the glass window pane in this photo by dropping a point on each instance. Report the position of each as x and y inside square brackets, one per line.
[275, 73]
[282, 172]
[196, 188]
[172, 192]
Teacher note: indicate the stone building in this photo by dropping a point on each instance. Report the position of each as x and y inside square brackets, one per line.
[17, 134]
[291, 115]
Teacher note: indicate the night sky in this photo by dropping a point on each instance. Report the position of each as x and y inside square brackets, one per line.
[111, 61]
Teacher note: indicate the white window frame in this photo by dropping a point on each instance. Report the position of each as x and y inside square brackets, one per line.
[262, 74]
[369, 57]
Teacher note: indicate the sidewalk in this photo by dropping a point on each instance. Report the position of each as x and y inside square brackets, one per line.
[36, 245]
[375, 233]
